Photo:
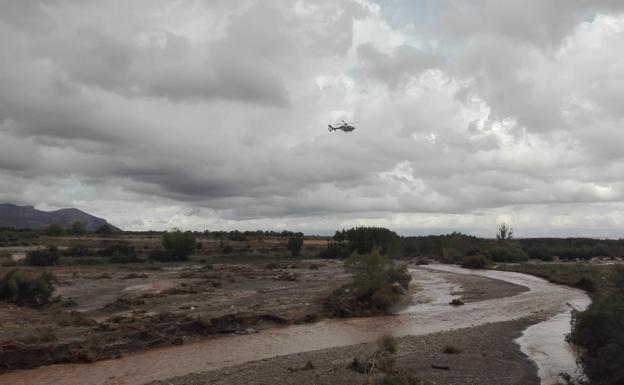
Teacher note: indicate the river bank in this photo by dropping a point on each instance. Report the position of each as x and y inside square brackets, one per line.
[488, 355]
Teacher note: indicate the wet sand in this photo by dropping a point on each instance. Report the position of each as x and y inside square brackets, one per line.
[488, 356]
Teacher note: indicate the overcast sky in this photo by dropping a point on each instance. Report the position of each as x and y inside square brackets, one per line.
[213, 114]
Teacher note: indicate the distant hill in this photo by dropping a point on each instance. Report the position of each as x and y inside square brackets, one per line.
[27, 217]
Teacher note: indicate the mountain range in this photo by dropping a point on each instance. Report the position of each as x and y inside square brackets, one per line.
[28, 217]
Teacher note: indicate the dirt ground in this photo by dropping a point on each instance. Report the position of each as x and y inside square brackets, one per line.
[487, 355]
[471, 288]
[112, 310]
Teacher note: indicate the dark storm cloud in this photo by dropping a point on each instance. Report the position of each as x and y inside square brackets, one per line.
[213, 113]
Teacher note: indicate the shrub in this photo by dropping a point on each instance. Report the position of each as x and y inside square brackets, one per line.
[49, 257]
[387, 343]
[377, 285]
[537, 252]
[160, 256]
[104, 230]
[77, 228]
[475, 262]
[125, 259]
[600, 332]
[54, 230]
[505, 251]
[383, 360]
[118, 249]
[384, 298]
[295, 244]
[586, 284]
[180, 245]
[23, 287]
[76, 251]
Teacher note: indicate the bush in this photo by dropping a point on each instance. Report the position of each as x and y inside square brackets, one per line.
[77, 228]
[23, 287]
[121, 252]
[600, 332]
[125, 259]
[506, 251]
[387, 343]
[295, 244]
[586, 284]
[76, 251]
[54, 230]
[104, 230]
[118, 249]
[180, 245]
[475, 262]
[49, 257]
[377, 285]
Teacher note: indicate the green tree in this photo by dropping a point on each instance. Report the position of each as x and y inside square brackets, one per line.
[179, 244]
[295, 244]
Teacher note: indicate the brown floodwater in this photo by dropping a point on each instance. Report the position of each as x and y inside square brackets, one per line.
[431, 314]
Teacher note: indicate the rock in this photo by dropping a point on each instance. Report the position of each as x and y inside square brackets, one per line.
[456, 302]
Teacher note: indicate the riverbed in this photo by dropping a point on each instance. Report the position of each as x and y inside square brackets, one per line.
[429, 314]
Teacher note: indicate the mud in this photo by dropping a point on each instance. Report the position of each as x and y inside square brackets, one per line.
[109, 312]
[487, 355]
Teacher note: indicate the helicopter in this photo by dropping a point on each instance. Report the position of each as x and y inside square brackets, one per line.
[344, 127]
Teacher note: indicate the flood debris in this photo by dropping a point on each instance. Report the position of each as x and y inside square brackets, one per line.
[287, 277]
[456, 302]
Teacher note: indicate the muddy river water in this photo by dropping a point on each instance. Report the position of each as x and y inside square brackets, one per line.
[543, 342]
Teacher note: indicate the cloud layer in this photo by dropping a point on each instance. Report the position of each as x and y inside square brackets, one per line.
[212, 114]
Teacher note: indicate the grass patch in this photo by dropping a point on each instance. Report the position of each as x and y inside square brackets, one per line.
[595, 279]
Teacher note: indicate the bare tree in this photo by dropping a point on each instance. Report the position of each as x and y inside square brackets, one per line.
[505, 233]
